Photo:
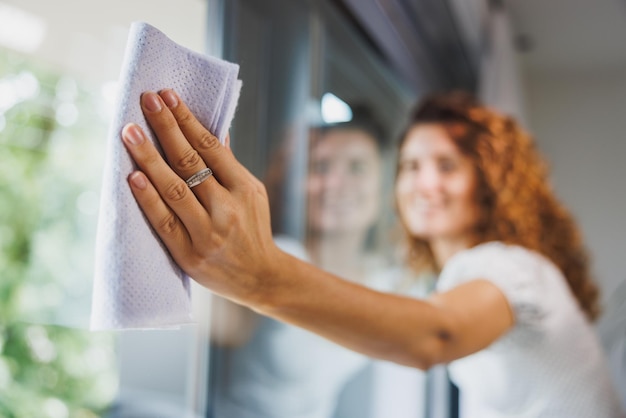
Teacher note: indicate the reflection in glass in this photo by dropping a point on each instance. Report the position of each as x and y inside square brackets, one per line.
[329, 185]
[329, 189]
[343, 195]
[279, 370]
[334, 109]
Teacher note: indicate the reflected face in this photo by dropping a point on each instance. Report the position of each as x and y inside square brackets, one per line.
[343, 186]
[436, 185]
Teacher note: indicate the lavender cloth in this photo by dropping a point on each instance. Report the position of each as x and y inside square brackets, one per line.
[136, 283]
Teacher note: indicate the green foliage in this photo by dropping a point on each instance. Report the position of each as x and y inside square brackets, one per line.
[50, 140]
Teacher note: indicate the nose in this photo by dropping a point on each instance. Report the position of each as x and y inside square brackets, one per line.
[335, 178]
[428, 179]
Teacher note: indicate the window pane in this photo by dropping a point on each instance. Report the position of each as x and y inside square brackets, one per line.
[316, 121]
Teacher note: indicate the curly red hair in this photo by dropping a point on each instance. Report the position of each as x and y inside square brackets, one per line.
[518, 205]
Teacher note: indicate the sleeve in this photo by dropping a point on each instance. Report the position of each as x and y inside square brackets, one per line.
[519, 273]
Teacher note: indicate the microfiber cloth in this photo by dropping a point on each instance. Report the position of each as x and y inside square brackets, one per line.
[137, 285]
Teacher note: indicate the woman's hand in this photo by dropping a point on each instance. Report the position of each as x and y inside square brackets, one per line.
[217, 231]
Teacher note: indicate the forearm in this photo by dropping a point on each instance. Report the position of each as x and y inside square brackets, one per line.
[392, 327]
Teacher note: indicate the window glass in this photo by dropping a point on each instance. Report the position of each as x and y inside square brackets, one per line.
[317, 121]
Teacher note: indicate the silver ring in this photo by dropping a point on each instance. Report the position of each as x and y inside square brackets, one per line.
[199, 177]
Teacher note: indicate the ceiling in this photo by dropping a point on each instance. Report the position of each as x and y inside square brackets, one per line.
[561, 36]
[566, 36]
[553, 36]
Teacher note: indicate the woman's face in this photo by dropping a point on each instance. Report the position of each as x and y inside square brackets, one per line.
[343, 186]
[436, 185]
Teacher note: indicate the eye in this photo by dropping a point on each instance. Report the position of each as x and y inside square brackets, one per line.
[408, 166]
[447, 165]
[357, 167]
[320, 167]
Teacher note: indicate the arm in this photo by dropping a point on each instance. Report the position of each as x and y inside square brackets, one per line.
[219, 233]
[418, 333]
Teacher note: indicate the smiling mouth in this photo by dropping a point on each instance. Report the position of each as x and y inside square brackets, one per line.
[351, 208]
[339, 202]
[425, 206]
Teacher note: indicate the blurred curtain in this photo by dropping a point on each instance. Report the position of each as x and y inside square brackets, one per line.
[499, 82]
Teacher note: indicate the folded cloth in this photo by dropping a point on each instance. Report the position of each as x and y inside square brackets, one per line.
[136, 282]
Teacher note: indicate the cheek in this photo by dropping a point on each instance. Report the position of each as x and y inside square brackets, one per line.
[371, 183]
[401, 195]
[372, 201]
[466, 202]
[401, 187]
[313, 184]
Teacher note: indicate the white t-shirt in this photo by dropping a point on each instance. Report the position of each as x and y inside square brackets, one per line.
[550, 364]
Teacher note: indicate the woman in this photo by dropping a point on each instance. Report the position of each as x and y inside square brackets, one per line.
[514, 300]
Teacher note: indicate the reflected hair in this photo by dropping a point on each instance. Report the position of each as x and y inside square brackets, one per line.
[516, 201]
[364, 120]
[277, 176]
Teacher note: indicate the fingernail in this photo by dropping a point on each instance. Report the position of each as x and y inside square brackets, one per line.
[138, 180]
[170, 98]
[133, 134]
[151, 102]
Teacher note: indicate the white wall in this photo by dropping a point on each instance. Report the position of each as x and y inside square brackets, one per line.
[579, 123]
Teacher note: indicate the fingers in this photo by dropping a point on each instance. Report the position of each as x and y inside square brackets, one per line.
[225, 166]
[173, 192]
[164, 221]
[225, 218]
[181, 156]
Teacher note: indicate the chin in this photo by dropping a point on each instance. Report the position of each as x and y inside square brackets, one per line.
[420, 234]
[427, 234]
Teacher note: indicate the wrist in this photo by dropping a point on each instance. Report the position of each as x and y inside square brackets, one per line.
[273, 282]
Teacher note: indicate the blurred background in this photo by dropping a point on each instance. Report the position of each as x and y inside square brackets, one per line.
[306, 65]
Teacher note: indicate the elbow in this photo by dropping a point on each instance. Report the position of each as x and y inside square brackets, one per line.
[425, 363]
[431, 351]
[421, 362]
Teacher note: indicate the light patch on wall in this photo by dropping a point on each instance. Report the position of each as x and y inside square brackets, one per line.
[20, 30]
[334, 109]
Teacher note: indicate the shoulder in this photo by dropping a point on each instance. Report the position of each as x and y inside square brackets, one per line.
[492, 258]
[525, 277]
[498, 248]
